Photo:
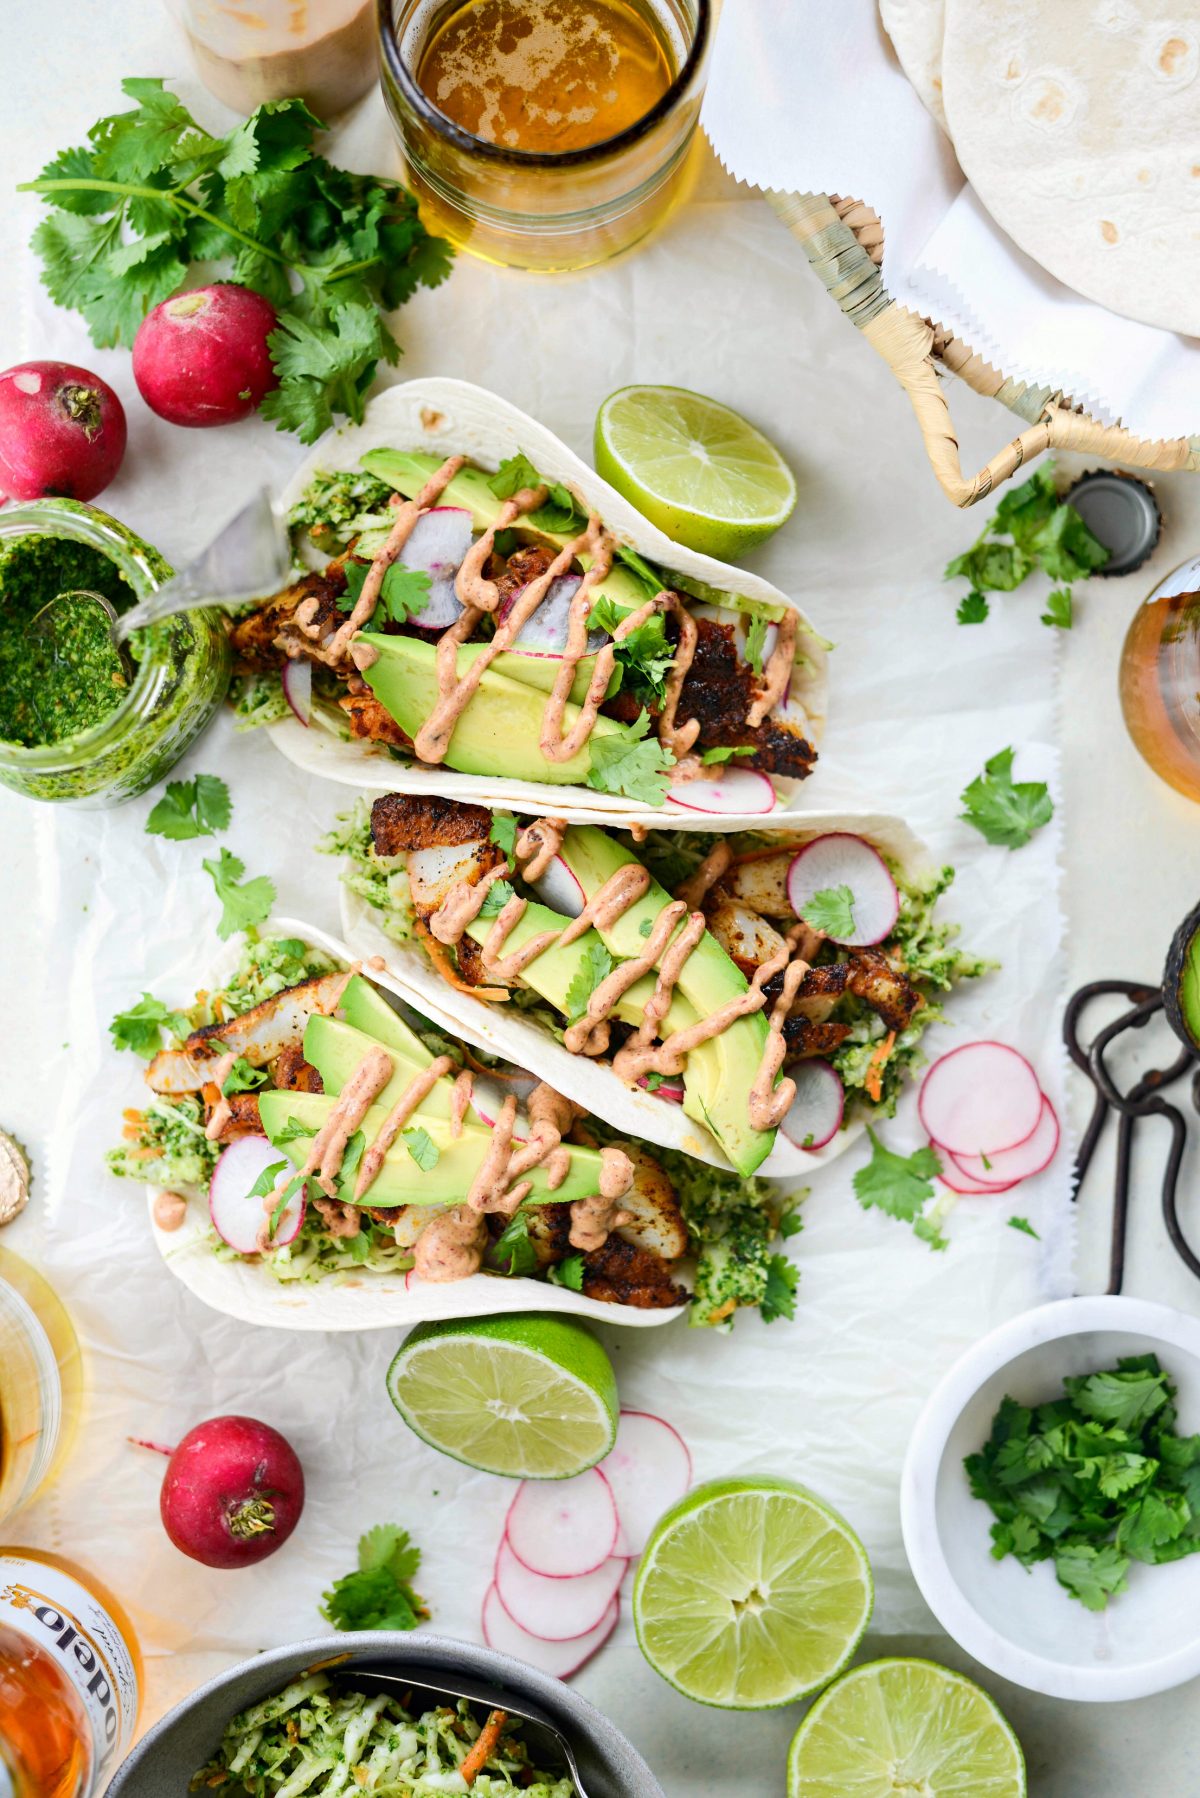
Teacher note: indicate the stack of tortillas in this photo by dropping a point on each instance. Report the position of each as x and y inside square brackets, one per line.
[1077, 122]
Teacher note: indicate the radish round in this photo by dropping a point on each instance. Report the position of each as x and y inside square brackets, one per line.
[232, 1493]
[562, 1528]
[953, 1176]
[202, 357]
[62, 432]
[297, 683]
[738, 790]
[649, 1469]
[437, 547]
[555, 1610]
[980, 1099]
[238, 1217]
[669, 1088]
[559, 889]
[814, 1116]
[487, 1097]
[545, 632]
[841, 860]
[1007, 1166]
[559, 1659]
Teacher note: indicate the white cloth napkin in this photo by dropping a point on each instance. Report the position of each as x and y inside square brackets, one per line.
[805, 98]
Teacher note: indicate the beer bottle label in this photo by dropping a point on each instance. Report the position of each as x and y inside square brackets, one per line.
[62, 1618]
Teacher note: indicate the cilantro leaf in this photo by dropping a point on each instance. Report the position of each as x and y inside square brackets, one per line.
[244, 903]
[831, 911]
[900, 1185]
[191, 808]
[291, 1130]
[513, 475]
[141, 1027]
[629, 762]
[779, 1298]
[402, 596]
[1064, 547]
[568, 1272]
[1091, 1574]
[379, 1594]
[1004, 811]
[1023, 1224]
[242, 1078]
[498, 896]
[973, 609]
[1060, 612]
[595, 965]
[791, 1223]
[1125, 1396]
[725, 753]
[1024, 510]
[558, 516]
[422, 1148]
[513, 1250]
[266, 1180]
[504, 833]
[991, 567]
[756, 642]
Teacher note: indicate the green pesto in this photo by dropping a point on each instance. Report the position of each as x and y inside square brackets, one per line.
[56, 682]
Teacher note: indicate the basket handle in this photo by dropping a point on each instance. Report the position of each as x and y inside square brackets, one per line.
[909, 345]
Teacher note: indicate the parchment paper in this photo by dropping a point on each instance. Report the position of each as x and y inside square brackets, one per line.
[918, 703]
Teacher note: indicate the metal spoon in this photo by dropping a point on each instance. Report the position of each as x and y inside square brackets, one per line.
[548, 1746]
[249, 558]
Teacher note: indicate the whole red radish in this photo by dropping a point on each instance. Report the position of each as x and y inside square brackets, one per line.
[201, 358]
[62, 432]
[232, 1493]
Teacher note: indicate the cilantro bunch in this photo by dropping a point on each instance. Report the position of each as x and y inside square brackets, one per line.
[1093, 1480]
[379, 1593]
[1044, 533]
[154, 193]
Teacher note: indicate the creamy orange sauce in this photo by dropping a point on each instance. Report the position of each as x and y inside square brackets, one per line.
[222, 1111]
[594, 1219]
[777, 672]
[418, 1089]
[407, 513]
[460, 1102]
[451, 1245]
[714, 867]
[537, 845]
[169, 1210]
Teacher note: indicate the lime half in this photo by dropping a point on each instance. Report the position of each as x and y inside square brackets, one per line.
[751, 1593]
[529, 1396]
[694, 468]
[907, 1727]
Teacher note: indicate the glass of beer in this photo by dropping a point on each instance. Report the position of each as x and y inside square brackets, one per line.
[41, 1381]
[545, 134]
[1160, 679]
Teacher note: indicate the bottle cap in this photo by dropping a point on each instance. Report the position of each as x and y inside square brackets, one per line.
[1121, 510]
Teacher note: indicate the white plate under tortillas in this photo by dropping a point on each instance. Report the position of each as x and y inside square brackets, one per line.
[1077, 123]
[509, 1032]
[359, 1300]
[440, 416]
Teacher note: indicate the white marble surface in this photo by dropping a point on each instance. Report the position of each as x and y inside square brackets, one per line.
[1131, 859]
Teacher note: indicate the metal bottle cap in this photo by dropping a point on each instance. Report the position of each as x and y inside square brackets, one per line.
[1122, 512]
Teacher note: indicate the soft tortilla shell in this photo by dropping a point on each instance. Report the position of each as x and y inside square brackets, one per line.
[916, 28]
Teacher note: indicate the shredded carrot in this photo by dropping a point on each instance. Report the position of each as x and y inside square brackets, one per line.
[876, 1065]
[764, 855]
[439, 955]
[485, 1743]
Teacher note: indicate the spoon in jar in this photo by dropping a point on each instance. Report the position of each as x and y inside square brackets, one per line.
[249, 558]
[548, 1746]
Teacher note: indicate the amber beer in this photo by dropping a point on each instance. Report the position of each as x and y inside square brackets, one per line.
[41, 1380]
[546, 134]
[1160, 679]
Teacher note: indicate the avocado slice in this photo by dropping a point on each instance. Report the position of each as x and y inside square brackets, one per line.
[498, 728]
[720, 1072]
[335, 1050]
[401, 1181]
[365, 1008]
[1181, 981]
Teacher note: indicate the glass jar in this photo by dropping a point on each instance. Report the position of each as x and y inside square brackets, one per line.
[1160, 679]
[179, 682]
[534, 209]
[41, 1383]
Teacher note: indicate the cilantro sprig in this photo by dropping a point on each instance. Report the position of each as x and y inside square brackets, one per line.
[191, 808]
[595, 965]
[831, 911]
[141, 1027]
[1043, 533]
[152, 193]
[901, 1186]
[558, 516]
[402, 596]
[629, 762]
[244, 903]
[1004, 811]
[379, 1593]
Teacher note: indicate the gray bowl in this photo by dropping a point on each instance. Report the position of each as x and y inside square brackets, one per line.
[164, 1760]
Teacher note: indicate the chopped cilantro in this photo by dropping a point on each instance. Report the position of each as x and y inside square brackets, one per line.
[646, 927]
[568, 1272]
[242, 1078]
[901, 1185]
[498, 896]
[1060, 611]
[1023, 1224]
[191, 808]
[422, 1148]
[756, 642]
[379, 1594]
[558, 516]
[1046, 533]
[973, 609]
[1004, 811]
[630, 763]
[513, 1250]
[244, 902]
[831, 911]
[595, 965]
[791, 1223]
[266, 1180]
[291, 1130]
[503, 832]
[402, 595]
[141, 1027]
[779, 1299]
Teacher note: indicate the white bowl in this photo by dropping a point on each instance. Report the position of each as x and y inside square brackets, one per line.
[1020, 1624]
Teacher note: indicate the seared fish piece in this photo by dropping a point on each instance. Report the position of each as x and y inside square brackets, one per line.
[622, 1274]
[258, 1035]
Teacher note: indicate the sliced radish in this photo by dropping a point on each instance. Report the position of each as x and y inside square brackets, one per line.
[980, 1099]
[437, 546]
[237, 1216]
[953, 1177]
[738, 790]
[814, 1116]
[669, 1088]
[559, 889]
[841, 860]
[559, 1659]
[296, 681]
[556, 1610]
[1007, 1166]
[738, 625]
[545, 632]
[487, 1097]
[562, 1528]
[649, 1469]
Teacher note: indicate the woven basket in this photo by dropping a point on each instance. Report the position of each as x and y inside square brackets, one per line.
[843, 241]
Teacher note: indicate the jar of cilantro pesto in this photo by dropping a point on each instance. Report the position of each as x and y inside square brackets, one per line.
[72, 725]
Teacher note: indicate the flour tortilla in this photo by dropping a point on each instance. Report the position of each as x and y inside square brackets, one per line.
[1078, 124]
[359, 1300]
[916, 28]
[506, 1031]
[442, 417]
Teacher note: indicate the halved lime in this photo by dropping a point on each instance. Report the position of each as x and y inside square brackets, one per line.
[693, 467]
[751, 1593]
[905, 1726]
[525, 1395]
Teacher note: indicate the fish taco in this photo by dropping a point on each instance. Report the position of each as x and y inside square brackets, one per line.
[481, 615]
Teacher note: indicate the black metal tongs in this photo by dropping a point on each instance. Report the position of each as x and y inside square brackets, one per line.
[1143, 1099]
